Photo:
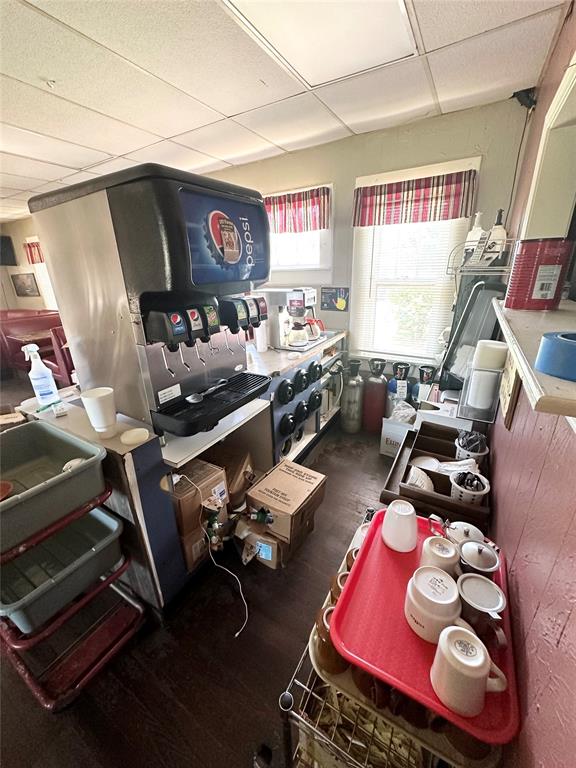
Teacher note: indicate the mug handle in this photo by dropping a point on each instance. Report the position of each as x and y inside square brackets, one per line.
[498, 682]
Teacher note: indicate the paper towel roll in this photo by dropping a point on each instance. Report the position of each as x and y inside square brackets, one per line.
[557, 355]
[483, 389]
[490, 354]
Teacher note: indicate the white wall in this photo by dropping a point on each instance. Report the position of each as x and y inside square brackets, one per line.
[19, 230]
[492, 131]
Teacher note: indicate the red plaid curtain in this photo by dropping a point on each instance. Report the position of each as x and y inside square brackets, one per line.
[299, 211]
[435, 198]
[34, 253]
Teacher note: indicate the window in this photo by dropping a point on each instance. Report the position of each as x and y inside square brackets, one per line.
[300, 232]
[404, 232]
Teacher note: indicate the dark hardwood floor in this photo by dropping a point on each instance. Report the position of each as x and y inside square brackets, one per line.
[188, 694]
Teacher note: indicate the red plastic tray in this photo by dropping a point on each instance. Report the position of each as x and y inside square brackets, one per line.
[369, 629]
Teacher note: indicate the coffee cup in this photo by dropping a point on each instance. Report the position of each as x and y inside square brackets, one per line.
[399, 527]
[328, 657]
[482, 603]
[440, 553]
[462, 672]
[101, 409]
[432, 603]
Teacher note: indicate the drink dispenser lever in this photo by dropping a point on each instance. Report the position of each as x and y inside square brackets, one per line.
[234, 314]
[168, 328]
[196, 329]
[210, 325]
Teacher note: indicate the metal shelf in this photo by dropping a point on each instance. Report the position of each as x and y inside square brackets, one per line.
[455, 265]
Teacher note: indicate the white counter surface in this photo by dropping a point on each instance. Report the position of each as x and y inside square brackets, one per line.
[275, 362]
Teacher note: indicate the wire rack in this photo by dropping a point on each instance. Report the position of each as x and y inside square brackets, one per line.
[500, 266]
[334, 731]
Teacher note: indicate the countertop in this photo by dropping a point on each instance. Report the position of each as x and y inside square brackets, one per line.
[275, 362]
[522, 330]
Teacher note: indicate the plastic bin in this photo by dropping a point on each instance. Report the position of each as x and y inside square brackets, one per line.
[32, 457]
[39, 583]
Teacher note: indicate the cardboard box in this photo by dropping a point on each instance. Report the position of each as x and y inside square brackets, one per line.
[211, 492]
[239, 467]
[256, 542]
[195, 548]
[393, 434]
[289, 492]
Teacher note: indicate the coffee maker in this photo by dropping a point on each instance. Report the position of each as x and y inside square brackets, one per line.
[149, 267]
[293, 323]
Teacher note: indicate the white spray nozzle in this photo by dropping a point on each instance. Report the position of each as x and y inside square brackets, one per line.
[29, 350]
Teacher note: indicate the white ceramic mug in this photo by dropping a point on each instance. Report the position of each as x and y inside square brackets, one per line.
[399, 527]
[101, 409]
[441, 553]
[463, 672]
[432, 603]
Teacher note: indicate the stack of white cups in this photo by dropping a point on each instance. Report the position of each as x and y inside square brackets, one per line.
[489, 360]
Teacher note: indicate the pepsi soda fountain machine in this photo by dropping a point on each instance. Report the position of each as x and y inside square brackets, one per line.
[149, 266]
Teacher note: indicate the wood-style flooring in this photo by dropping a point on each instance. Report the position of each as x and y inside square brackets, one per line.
[188, 694]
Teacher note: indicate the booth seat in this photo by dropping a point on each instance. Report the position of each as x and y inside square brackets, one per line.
[16, 325]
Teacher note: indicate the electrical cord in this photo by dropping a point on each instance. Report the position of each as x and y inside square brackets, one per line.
[222, 567]
[518, 156]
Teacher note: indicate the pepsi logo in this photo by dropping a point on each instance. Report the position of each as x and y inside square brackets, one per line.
[175, 318]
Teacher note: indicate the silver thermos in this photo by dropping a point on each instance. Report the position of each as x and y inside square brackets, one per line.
[352, 396]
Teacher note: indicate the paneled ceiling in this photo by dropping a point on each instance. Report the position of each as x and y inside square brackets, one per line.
[88, 87]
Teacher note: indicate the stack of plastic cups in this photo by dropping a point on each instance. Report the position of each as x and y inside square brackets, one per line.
[486, 369]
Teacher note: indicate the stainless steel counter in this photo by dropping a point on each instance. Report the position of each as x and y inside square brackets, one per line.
[275, 362]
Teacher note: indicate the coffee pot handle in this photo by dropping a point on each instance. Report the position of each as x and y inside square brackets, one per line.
[464, 624]
[496, 680]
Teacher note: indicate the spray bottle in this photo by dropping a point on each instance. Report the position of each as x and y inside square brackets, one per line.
[41, 377]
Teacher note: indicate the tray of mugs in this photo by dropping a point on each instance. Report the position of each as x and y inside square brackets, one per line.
[417, 628]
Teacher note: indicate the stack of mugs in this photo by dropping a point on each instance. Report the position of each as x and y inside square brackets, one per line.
[451, 600]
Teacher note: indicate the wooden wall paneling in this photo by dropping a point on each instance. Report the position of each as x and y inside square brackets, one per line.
[548, 518]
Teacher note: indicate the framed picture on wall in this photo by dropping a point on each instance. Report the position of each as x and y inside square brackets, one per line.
[25, 285]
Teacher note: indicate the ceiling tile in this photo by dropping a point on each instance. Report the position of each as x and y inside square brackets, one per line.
[111, 166]
[34, 145]
[24, 166]
[490, 68]
[295, 123]
[446, 21]
[364, 34]
[228, 141]
[11, 181]
[10, 192]
[174, 155]
[50, 187]
[23, 196]
[201, 49]
[76, 178]
[25, 107]
[36, 48]
[383, 98]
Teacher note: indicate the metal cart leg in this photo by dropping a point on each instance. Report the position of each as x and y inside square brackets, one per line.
[286, 703]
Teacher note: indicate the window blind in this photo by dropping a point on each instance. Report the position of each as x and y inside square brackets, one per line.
[401, 294]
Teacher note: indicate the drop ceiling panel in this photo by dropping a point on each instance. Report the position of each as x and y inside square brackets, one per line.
[295, 123]
[76, 178]
[443, 22]
[23, 166]
[175, 155]
[18, 182]
[383, 98]
[35, 145]
[25, 106]
[36, 49]
[491, 67]
[324, 41]
[228, 141]
[10, 192]
[111, 166]
[196, 46]
[50, 187]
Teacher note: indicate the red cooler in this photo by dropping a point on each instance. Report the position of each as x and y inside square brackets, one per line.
[538, 273]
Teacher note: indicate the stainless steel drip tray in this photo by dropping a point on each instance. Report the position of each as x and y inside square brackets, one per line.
[183, 418]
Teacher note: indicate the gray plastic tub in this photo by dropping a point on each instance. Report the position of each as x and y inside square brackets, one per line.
[32, 457]
[42, 581]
